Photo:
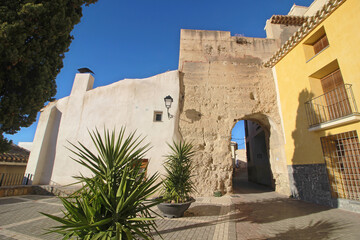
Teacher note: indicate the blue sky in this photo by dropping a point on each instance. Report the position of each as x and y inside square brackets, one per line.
[238, 134]
[120, 39]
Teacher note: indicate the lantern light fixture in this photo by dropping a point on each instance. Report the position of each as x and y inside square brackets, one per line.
[168, 101]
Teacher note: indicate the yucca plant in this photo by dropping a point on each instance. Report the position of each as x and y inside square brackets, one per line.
[114, 202]
[177, 182]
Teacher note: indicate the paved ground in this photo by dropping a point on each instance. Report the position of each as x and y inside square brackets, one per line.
[253, 213]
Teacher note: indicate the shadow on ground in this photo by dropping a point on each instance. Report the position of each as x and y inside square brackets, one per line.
[241, 185]
[320, 230]
[203, 210]
[259, 204]
[276, 209]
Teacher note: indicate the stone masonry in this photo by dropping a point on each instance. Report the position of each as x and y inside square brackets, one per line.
[223, 81]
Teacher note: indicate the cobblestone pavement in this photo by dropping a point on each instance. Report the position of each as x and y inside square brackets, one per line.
[252, 213]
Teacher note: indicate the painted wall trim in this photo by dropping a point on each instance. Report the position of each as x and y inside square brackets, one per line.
[278, 102]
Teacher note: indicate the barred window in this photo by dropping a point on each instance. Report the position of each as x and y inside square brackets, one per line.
[342, 158]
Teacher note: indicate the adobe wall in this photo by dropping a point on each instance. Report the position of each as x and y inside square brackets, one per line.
[223, 81]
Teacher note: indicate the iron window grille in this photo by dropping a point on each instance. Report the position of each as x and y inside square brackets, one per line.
[342, 157]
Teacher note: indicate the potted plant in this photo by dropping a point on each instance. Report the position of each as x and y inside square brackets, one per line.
[114, 202]
[177, 184]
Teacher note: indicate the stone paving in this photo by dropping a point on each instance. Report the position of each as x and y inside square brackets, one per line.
[253, 213]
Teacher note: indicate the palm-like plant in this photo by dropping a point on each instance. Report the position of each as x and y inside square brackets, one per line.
[113, 203]
[177, 183]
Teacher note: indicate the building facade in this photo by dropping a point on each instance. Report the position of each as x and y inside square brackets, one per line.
[137, 104]
[317, 76]
[302, 106]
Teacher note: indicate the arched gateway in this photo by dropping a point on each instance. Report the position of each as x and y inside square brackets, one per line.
[223, 80]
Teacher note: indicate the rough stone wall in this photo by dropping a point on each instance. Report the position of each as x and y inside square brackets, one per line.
[224, 81]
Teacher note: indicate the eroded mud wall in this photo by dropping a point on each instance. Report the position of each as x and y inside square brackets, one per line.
[223, 80]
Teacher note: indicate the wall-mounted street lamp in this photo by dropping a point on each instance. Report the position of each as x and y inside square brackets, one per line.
[168, 101]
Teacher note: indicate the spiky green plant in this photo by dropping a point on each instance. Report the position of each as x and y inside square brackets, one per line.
[114, 202]
[177, 183]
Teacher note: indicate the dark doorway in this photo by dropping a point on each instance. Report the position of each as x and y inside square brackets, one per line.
[254, 167]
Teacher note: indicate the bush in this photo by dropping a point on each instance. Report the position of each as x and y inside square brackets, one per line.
[114, 202]
[178, 184]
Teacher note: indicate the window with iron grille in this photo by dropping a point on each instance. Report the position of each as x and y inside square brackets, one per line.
[342, 157]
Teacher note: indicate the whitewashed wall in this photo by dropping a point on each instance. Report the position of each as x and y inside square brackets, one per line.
[129, 102]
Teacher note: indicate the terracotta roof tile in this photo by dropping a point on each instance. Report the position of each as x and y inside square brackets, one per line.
[288, 20]
[16, 155]
[302, 32]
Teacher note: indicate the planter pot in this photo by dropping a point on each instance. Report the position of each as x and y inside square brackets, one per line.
[174, 210]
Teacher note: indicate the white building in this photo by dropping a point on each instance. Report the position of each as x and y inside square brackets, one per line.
[137, 104]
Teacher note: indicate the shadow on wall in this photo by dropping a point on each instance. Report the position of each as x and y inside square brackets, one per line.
[308, 182]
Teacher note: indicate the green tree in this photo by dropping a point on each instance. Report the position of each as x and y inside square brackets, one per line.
[34, 35]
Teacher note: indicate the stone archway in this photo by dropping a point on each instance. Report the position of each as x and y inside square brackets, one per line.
[274, 147]
[256, 166]
[223, 80]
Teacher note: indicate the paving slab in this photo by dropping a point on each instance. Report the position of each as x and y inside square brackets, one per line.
[252, 213]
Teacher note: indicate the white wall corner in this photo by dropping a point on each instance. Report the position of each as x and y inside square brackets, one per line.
[39, 143]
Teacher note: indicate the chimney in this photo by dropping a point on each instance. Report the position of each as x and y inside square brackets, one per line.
[82, 83]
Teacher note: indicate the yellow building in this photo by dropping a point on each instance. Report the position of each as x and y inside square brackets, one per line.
[317, 73]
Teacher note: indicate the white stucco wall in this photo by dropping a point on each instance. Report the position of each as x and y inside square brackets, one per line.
[315, 6]
[297, 10]
[25, 145]
[129, 102]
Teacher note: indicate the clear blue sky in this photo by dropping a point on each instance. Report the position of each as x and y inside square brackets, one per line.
[238, 134]
[120, 39]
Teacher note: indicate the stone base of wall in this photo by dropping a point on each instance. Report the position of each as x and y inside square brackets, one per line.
[282, 183]
[311, 183]
[350, 205]
[9, 191]
[61, 191]
[50, 190]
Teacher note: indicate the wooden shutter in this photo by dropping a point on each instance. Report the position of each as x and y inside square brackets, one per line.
[335, 95]
[320, 44]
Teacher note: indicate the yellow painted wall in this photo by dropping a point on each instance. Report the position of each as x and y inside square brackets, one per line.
[12, 169]
[293, 73]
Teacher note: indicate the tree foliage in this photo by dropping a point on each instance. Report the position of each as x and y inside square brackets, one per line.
[34, 35]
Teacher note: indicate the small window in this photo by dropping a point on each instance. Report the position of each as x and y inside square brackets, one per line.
[158, 116]
[320, 44]
[316, 43]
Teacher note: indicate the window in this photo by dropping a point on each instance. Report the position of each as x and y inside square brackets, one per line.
[342, 157]
[336, 95]
[333, 99]
[316, 43]
[320, 44]
[157, 116]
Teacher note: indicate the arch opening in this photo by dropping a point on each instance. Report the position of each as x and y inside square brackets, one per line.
[250, 152]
